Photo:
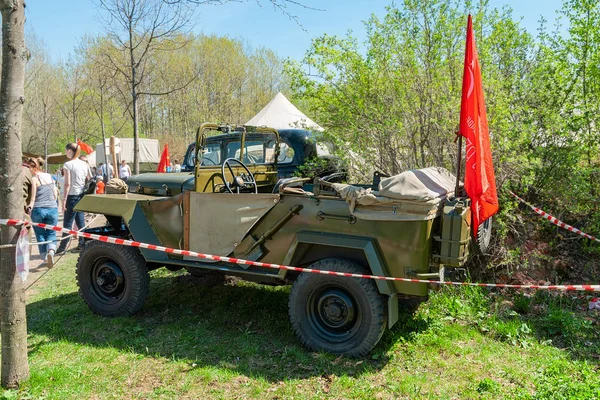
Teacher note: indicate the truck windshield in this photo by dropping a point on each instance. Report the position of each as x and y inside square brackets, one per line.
[211, 156]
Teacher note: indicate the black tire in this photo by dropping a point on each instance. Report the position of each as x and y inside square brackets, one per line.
[337, 314]
[484, 235]
[113, 280]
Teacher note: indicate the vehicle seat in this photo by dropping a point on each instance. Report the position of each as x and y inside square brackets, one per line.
[293, 181]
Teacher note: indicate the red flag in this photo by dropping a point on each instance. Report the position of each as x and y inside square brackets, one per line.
[480, 182]
[85, 147]
[164, 160]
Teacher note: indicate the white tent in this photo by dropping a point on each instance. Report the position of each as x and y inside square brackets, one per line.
[92, 158]
[281, 113]
[149, 150]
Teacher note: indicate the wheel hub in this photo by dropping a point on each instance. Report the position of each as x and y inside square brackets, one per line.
[108, 280]
[335, 310]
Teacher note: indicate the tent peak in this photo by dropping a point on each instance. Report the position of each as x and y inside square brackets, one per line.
[281, 113]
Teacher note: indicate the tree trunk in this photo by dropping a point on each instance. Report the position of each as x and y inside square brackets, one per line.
[46, 134]
[13, 321]
[74, 115]
[136, 136]
[134, 104]
[103, 129]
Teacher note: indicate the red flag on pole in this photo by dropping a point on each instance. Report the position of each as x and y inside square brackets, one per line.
[85, 147]
[164, 159]
[480, 182]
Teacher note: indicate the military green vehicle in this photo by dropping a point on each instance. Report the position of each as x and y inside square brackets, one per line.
[408, 226]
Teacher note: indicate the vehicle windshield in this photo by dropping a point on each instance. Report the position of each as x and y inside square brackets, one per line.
[255, 151]
[259, 148]
[211, 156]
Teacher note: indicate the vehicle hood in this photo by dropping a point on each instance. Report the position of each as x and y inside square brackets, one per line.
[161, 184]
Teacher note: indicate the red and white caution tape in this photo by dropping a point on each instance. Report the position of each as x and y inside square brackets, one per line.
[131, 243]
[555, 221]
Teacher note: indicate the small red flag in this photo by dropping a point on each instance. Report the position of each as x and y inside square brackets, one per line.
[85, 147]
[480, 182]
[164, 160]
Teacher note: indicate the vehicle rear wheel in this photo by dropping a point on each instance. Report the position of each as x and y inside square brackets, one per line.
[337, 314]
[113, 280]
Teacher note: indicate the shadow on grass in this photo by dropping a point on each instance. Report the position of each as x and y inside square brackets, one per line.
[240, 326]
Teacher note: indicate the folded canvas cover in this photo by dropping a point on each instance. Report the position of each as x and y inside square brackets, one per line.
[410, 196]
[419, 184]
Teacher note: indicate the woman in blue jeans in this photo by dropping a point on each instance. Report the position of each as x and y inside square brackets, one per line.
[45, 209]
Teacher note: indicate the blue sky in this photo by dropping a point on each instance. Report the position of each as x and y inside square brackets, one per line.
[62, 23]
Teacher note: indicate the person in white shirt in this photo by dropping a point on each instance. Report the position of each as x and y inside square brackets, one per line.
[124, 171]
[111, 172]
[76, 173]
[176, 166]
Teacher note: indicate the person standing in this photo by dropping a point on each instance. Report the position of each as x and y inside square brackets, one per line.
[45, 209]
[108, 171]
[60, 178]
[124, 171]
[76, 173]
[99, 185]
[176, 166]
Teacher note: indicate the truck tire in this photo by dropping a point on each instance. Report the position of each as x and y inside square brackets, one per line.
[113, 280]
[337, 314]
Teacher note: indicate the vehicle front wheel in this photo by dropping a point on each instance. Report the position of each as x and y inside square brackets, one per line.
[337, 314]
[113, 280]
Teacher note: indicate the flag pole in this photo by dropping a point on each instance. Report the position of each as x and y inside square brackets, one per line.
[458, 163]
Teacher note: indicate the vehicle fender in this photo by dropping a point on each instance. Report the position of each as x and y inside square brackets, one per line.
[374, 259]
[122, 205]
[368, 246]
[128, 207]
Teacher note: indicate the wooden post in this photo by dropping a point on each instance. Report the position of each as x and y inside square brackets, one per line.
[114, 156]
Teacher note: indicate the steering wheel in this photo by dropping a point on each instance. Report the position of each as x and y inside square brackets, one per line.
[240, 181]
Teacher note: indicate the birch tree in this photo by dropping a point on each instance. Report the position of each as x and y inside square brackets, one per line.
[140, 28]
[74, 99]
[13, 319]
[41, 111]
[101, 82]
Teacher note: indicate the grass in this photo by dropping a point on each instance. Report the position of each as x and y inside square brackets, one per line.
[234, 341]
